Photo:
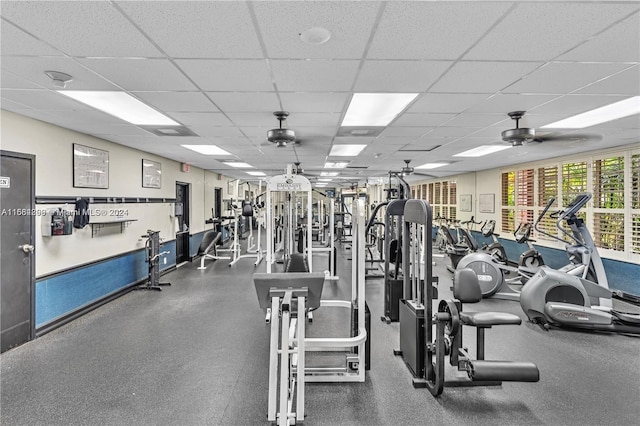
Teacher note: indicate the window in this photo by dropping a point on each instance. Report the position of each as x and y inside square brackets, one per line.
[574, 180]
[635, 234]
[508, 188]
[453, 193]
[635, 181]
[431, 192]
[608, 183]
[524, 188]
[547, 185]
[608, 230]
[437, 194]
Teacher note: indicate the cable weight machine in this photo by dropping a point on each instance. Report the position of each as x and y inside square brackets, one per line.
[153, 255]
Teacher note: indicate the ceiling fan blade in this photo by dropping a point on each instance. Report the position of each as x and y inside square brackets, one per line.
[570, 137]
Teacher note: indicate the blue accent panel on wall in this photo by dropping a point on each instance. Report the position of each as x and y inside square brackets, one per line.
[194, 243]
[169, 246]
[67, 292]
[621, 275]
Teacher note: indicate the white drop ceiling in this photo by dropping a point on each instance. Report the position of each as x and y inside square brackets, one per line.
[222, 68]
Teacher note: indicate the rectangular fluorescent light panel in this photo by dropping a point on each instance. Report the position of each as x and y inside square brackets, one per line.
[431, 165]
[376, 109]
[238, 164]
[121, 105]
[600, 115]
[322, 184]
[206, 149]
[346, 150]
[256, 173]
[482, 150]
[324, 179]
[336, 165]
[329, 174]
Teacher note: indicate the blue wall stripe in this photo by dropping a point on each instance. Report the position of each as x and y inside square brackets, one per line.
[64, 293]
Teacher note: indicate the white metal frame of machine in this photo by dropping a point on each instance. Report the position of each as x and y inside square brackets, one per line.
[290, 184]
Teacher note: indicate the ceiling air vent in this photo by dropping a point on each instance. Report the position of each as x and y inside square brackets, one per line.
[169, 130]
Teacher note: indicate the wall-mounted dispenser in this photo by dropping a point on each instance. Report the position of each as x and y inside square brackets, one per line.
[57, 222]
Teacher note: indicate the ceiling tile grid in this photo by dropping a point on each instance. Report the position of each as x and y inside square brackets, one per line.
[222, 68]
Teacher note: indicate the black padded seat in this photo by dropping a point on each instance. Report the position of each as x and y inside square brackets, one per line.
[209, 240]
[488, 319]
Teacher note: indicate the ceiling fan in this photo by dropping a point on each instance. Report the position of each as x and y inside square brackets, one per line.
[523, 135]
[408, 170]
[281, 136]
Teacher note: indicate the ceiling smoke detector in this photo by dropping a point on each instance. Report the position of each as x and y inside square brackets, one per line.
[59, 79]
[281, 136]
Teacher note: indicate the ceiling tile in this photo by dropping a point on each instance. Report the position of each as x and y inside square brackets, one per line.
[423, 30]
[99, 118]
[12, 81]
[575, 104]
[211, 130]
[534, 31]
[208, 118]
[81, 28]
[232, 75]
[624, 36]
[17, 42]
[246, 101]
[314, 75]
[450, 132]
[626, 82]
[313, 120]
[314, 102]
[197, 29]
[417, 76]
[561, 77]
[141, 74]
[404, 132]
[178, 101]
[350, 24]
[475, 119]
[422, 119]
[266, 120]
[33, 68]
[445, 102]
[505, 103]
[482, 77]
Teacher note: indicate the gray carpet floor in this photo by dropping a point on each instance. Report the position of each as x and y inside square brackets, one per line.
[197, 354]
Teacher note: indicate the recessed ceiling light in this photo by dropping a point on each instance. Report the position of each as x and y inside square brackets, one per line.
[121, 105]
[256, 173]
[238, 164]
[324, 180]
[329, 174]
[431, 165]
[322, 184]
[346, 150]
[482, 150]
[600, 115]
[315, 35]
[376, 109]
[336, 164]
[206, 149]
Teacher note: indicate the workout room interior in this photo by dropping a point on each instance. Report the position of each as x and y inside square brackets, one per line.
[315, 199]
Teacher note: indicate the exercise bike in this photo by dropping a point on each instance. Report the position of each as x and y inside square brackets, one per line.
[562, 299]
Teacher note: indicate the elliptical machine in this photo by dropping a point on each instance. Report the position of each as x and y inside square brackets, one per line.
[491, 271]
[565, 298]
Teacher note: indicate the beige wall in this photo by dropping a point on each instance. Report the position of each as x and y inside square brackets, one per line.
[53, 146]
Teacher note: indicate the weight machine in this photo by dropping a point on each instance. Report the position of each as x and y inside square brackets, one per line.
[153, 255]
[283, 190]
[288, 368]
[424, 351]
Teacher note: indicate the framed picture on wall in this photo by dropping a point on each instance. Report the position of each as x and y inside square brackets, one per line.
[230, 186]
[90, 167]
[151, 174]
[465, 202]
[486, 203]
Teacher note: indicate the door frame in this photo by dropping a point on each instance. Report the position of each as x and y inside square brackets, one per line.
[186, 212]
[32, 225]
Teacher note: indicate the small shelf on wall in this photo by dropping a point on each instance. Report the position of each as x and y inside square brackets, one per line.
[97, 226]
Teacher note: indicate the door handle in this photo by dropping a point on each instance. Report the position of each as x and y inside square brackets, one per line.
[27, 248]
